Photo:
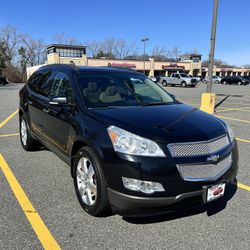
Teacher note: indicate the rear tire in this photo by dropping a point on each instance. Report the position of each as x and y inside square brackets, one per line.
[183, 84]
[28, 143]
[90, 184]
[239, 82]
[224, 82]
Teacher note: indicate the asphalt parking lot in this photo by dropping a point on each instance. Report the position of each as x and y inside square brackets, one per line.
[55, 219]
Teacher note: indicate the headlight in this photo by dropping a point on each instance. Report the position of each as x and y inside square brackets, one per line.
[128, 143]
[230, 132]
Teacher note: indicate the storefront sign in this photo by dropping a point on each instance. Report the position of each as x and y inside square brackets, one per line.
[173, 66]
[122, 65]
[227, 69]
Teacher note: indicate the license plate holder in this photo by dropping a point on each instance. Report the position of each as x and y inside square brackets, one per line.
[213, 192]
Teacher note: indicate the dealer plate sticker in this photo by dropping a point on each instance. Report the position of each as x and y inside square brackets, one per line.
[215, 192]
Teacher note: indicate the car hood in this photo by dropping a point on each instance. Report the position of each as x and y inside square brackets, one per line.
[164, 123]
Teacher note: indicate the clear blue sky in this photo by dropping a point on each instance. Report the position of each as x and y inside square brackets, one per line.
[182, 23]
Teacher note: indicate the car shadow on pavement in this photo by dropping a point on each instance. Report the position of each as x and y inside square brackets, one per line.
[210, 208]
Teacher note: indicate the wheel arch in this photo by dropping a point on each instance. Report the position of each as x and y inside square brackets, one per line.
[75, 148]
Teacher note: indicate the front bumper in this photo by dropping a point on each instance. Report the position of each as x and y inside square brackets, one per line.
[178, 192]
[130, 205]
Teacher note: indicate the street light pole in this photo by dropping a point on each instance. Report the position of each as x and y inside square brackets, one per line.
[212, 47]
[144, 40]
[208, 98]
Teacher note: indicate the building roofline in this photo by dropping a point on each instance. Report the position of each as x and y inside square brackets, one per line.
[66, 46]
[191, 54]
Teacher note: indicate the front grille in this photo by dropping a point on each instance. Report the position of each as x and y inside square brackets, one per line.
[204, 171]
[193, 81]
[198, 148]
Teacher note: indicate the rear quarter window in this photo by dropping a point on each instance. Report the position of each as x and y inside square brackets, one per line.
[40, 82]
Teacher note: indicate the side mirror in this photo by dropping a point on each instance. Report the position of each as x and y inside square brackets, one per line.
[58, 100]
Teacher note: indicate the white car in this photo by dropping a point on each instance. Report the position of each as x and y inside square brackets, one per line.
[215, 79]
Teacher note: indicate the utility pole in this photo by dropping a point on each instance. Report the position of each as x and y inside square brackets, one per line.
[144, 40]
[208, 98]
[212, 47]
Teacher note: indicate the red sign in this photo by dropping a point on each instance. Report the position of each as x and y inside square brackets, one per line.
[227, 69]
[122, 65]
[173, 66]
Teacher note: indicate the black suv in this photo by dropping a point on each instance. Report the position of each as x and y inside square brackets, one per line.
[234, 80]
[130, 145]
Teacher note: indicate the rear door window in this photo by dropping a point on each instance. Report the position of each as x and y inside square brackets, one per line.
[41, 82]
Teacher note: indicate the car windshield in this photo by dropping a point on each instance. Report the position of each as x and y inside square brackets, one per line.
[112, 89]
[184, 75]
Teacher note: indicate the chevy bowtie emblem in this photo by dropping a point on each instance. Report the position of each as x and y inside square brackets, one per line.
[213, 158]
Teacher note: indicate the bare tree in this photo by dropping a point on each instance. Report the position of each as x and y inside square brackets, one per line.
[247, 66]
[11, 39]
[159, 52]
[32, 51]
[93, 47]
[193, 51]
[217, 62]
[62, 38]
[111, 47]
[173, 53]
[123, 48]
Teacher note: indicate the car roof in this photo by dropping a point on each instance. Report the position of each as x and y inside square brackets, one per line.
[80, 69]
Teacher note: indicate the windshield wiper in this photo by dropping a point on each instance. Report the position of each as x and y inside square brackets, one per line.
[109, 107]
[155, 103]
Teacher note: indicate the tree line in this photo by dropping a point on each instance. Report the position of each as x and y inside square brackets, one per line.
[19, 50]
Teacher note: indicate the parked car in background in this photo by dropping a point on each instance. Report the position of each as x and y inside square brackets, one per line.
[181, 79]
[129, 144]
[196, 77]
[246, 77]
[152, 78]
[3, 81]
[203, 79]
[215, 79]
[234, 80]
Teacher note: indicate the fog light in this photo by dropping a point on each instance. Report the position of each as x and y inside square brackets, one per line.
[147, 187]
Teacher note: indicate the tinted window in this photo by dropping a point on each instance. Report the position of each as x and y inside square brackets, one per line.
[61, 86]
[120, 89]
[184, 75]
[40, 82]
[34, 80]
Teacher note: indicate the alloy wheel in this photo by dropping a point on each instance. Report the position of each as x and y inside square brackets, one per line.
[86, 181]
[24, 134]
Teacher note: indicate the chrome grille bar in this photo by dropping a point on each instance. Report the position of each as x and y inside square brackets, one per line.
[205, 171]
[198, 148]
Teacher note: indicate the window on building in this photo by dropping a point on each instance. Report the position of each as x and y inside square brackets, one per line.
[195, 59]
[70, 52]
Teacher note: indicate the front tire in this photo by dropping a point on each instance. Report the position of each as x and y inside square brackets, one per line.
[89, 182]
[164, 83]
[28, 143]
[183, 84]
